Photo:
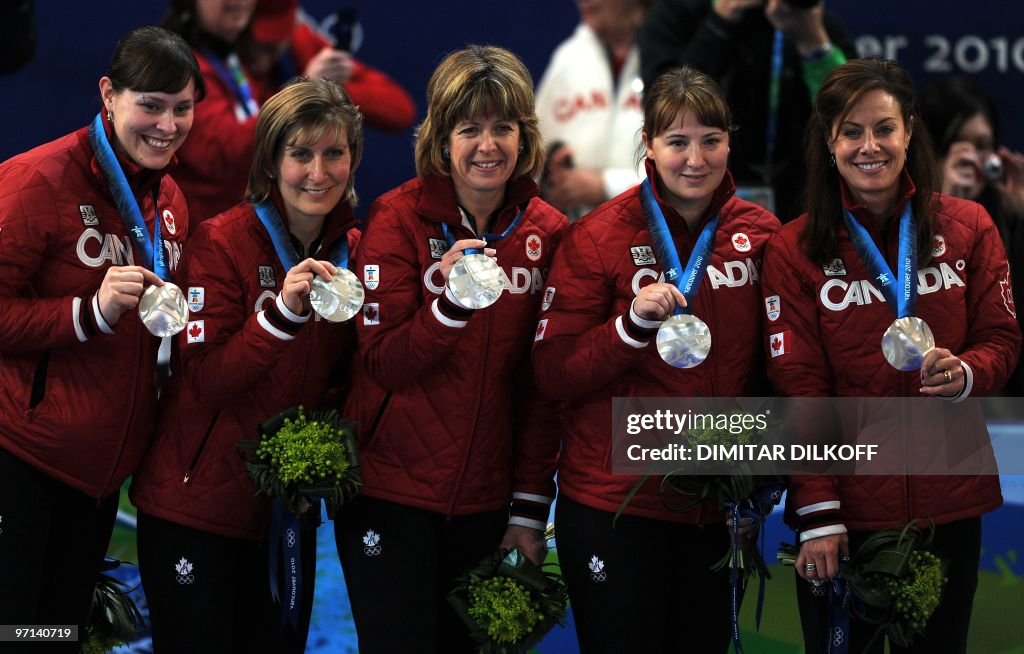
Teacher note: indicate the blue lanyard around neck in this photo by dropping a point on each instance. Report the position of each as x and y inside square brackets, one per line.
[688, 282]
[282, 240]
[486, 236]
[230, 70]
[899, 290]
[153, 255]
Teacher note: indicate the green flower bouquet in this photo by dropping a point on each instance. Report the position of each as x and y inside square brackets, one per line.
[299, 457]
[508, 603]
[113, 617]
[895, 579]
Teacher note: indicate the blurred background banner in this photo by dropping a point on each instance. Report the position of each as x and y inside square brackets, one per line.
[57, 92]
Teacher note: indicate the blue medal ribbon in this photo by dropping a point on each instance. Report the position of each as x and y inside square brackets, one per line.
[899, 290]
[230, 70]
[756, 508]
[285, 543]
[838, 638]
[153, 255]
[689, 280]
[282, 240]
[486, 236]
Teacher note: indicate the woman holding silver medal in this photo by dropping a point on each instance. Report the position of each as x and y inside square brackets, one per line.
[453, 436]
[253, 347]
[87, 223]
[872, 215]
[614, 327]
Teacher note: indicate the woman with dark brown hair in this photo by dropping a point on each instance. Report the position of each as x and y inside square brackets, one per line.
[873, 226]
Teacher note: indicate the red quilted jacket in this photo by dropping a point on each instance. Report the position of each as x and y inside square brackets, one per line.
[240, 361]
[589, 350]
[834, 324]
[75, 402]
[214, 160]
[449, 418]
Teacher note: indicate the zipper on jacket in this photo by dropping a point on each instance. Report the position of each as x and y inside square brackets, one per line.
[476, 420]
[199, 452]
[39, 381]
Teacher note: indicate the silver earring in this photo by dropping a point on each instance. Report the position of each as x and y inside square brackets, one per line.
[110, 116]
[522, 148]
[832, 161]
[445, 153]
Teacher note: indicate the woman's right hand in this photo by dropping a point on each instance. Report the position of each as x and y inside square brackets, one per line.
[456, 252]
[824, 553]
[298, 284]
[330, 63]
[658, 301]
[961, 171]
[121, 288]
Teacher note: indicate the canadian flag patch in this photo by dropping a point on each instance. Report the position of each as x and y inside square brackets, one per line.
[371, 314]
[196, 331]
[779, 344]
[542, 327]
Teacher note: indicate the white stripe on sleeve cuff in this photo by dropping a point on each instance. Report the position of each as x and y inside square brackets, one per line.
[831, 505]
[829, 530]
[100, 322]
[527, 522]
[626, 338]
[76, 308]
[265, 324]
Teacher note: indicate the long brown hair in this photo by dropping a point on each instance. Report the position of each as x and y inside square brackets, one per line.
[843, 88]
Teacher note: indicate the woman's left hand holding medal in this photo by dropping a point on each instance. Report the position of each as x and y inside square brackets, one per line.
[941, 373]
[121, 290]
[455, 252]
[658, 301]
[298, 284]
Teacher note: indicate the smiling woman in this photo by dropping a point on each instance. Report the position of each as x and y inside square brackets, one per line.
[451, 430]
[81, 242]
[252, 350]
[872, 219]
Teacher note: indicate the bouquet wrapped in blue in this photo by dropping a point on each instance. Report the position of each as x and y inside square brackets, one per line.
[299, 458]
[297, 461]
[894, 581]
[508, 603]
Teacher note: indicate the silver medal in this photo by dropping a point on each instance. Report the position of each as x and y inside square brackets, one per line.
[906, 341]
[339, 299]
[475, 280]
[684, 341]
[163, 310]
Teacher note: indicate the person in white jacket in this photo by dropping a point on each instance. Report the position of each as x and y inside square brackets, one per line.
[589, 105]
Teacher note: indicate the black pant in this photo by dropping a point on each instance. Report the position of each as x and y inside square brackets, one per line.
[52, 541]
[211, 593]
[959, 543]
[400, 563]
[643, 585]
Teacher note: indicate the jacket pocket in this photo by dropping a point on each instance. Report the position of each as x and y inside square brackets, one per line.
[371, 434]
[39, 381]
[194, 461]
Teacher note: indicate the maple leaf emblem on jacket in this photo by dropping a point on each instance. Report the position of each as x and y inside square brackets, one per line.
[195, 330]
[183, 566]
[1006, 291]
